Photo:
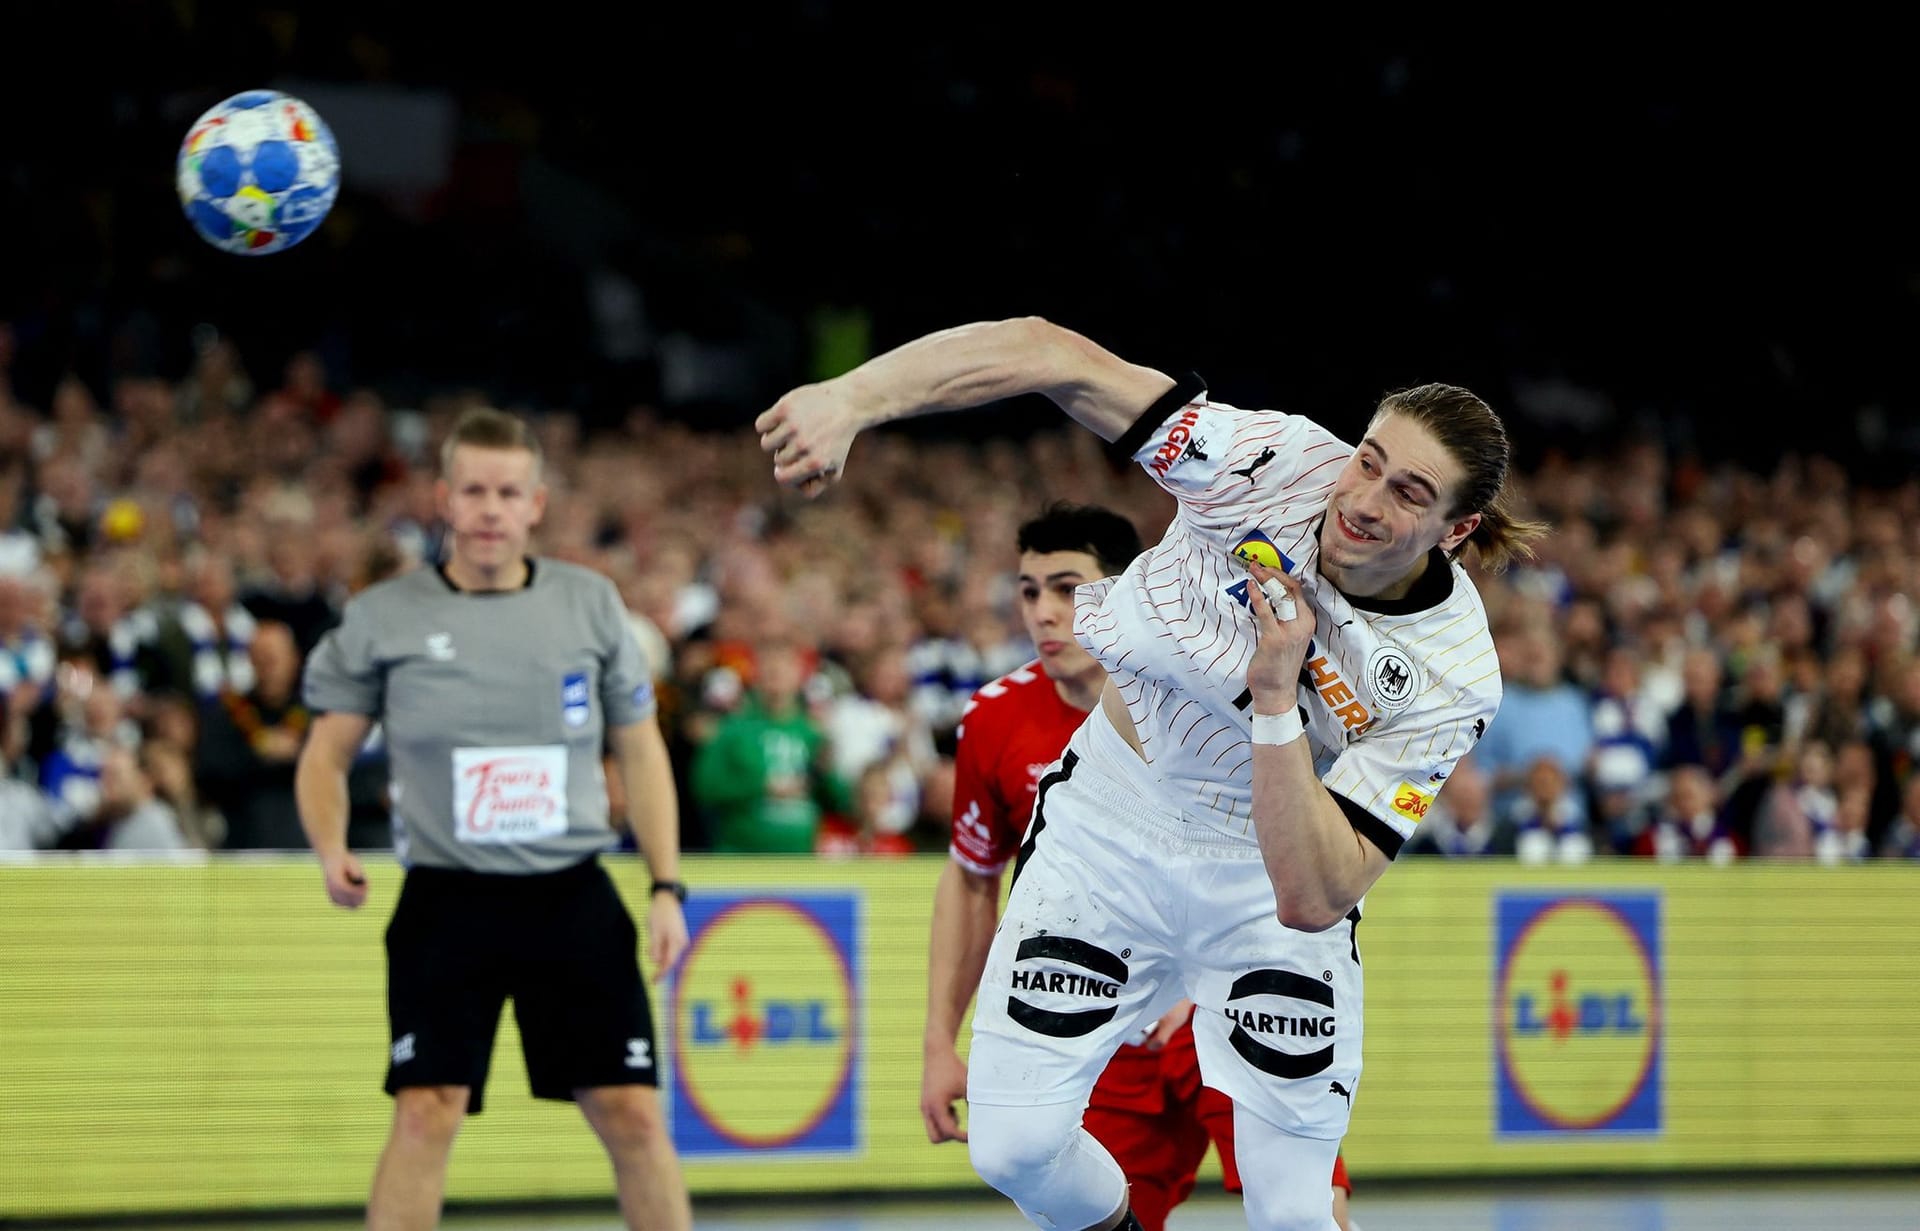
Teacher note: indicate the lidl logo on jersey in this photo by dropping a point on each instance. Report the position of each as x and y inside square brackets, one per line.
[766, 1056]
[1578, 1038]
[1258, 548]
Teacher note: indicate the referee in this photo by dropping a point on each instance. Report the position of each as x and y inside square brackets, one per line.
[497, 677]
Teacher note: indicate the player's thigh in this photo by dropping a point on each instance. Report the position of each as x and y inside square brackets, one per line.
[579, 998]
[444, 986]
[1281, 1011]
[1081, 958]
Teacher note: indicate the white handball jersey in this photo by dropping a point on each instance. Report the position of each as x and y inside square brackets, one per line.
[1392, 692]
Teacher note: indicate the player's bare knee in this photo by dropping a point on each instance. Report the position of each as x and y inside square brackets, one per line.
[625, 1117]
[429, 1113]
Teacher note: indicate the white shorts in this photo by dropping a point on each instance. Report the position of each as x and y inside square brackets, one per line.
[1115, 913]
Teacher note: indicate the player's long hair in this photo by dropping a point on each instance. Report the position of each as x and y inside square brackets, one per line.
[1470, 430]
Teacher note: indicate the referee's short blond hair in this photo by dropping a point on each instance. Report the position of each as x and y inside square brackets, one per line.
[486, 428]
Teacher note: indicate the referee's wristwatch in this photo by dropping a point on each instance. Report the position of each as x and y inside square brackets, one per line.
[677, 888]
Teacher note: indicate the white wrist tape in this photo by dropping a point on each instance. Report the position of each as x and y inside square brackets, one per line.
[1281, 728]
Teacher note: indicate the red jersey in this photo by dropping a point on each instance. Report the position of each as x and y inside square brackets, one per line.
[1011, 730]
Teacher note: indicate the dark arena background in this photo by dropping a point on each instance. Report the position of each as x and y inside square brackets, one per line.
[1658, 970]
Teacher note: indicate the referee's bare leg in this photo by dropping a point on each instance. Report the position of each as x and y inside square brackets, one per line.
[412, 1179]
[629, 1122]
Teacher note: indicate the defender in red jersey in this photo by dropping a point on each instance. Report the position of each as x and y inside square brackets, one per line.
[1149, 1108]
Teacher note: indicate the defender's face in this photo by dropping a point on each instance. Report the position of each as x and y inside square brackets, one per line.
[1390, 507]
[1047, 579]
[491, 500]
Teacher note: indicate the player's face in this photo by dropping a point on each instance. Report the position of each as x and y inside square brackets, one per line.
[491, 499]
[1047, 579]
[1389, 508]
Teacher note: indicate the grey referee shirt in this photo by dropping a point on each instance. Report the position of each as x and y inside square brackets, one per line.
[495, 706]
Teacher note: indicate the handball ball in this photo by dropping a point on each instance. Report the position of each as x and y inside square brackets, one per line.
[257, 173]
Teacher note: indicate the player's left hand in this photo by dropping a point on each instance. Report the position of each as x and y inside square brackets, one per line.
[666, 934]
[1169, 1025]
[1274, 673]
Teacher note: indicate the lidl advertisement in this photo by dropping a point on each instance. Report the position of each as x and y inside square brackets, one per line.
[1577, 1007]
[766, 1058]
[212, 1037]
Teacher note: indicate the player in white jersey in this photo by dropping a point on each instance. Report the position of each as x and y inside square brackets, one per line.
[1190, 839]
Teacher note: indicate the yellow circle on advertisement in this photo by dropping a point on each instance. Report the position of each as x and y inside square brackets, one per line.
[763, 1023]
[1579, 1014]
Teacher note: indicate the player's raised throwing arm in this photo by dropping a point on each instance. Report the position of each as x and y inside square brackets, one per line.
[809, 431]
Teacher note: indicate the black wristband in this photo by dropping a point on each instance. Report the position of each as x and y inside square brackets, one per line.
[677, 888]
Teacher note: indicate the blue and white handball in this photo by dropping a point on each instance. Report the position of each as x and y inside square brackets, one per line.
[257, 173]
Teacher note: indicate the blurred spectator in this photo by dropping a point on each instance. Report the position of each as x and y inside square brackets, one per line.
[1704, 729]
[1894, 721]
[129, 816]
[217, 388]
[1549, 824]
[1541, 716]
[249, 742]
[67, 509]
[290, 593]
[106, 628]
[305, 386]
[205, 642]
[27, 655]
[90, 722]
[765, 778]
[30, 818]
[1903, 840]
[167, 752]
[873, 726]
[1462, 821]
[1839, 715]
[1688, 823]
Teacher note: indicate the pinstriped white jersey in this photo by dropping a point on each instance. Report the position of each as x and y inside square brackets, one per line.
[1391, 696]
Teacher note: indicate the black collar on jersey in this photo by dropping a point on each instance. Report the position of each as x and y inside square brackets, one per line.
[1184, 390]
[1434, 587]
[441, 568]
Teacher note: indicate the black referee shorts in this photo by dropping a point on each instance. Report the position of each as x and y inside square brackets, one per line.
[561, 944]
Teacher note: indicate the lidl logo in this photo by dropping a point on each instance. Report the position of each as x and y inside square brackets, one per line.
[765, 1026]
[1577, 1014]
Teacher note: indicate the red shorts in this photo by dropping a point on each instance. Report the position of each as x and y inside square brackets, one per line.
[1152, 1114]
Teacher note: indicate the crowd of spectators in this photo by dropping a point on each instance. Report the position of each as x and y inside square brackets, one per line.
[1703, 662]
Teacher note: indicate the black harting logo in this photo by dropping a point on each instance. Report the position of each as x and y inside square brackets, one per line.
[1280, 984]
[1099, 975]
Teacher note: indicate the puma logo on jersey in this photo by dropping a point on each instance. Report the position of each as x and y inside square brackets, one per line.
[440, 646]
[1266, 455]
[1342, 1091]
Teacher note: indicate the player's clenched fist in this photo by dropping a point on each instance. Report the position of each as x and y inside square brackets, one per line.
[809, 432]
